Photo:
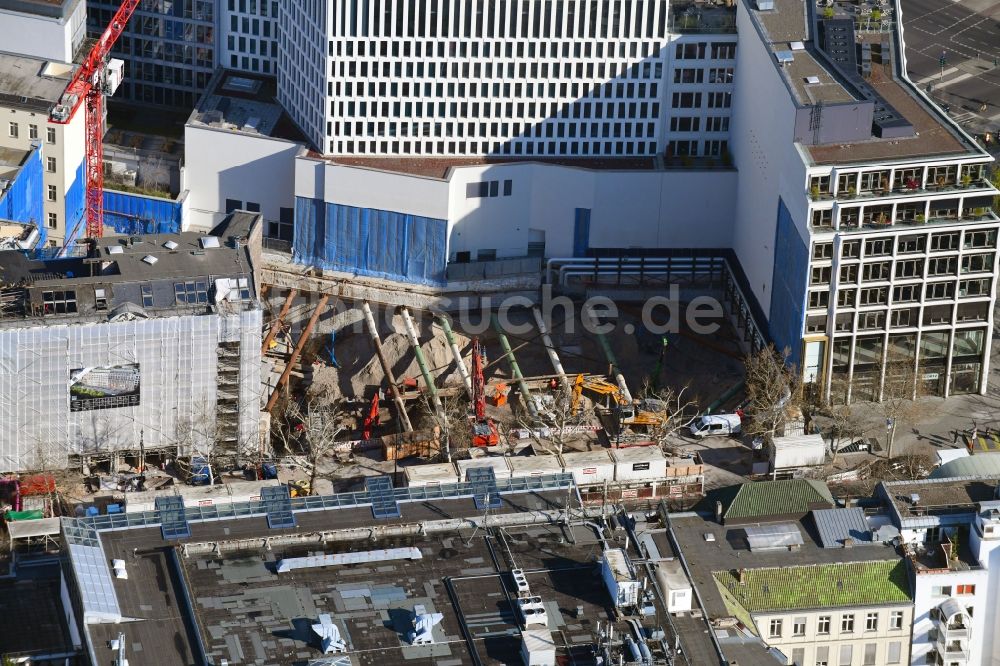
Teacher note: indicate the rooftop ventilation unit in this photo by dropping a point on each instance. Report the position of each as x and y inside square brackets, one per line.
[209, 241]
[784, 57]
[765, 5]
[812, 80]
[116, 249]
[150, 259]
[797, 46]
[170, 245]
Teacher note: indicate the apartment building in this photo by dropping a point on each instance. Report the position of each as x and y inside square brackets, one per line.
[45, 29]
[519, 78]
[29, 88]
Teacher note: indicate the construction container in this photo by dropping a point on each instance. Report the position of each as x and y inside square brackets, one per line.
[641, 464]
[538, 648]
[675, 586]
[420, 443]
[590, 468]
[684, 467]
[194, 496]
[418, 476]
[544, 465]
[501, 470]
[790, 453]
[616, 572]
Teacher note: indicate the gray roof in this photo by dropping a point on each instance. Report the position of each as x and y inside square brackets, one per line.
[837, 525]
[49, 8]
[23, 77]
[981, 464]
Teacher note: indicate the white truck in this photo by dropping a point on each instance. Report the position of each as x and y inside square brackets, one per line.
[715, 424]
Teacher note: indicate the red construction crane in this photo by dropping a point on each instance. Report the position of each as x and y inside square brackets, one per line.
[89, 85]
[484, 430]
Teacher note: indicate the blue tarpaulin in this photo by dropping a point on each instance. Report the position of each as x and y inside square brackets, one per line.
[370, 242]
[791, 267]
[76, 196]
[23, 200]
[135, 214]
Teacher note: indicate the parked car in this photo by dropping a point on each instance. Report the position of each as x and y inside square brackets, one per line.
[716, 424]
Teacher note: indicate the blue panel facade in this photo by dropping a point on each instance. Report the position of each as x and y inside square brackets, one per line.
[135, 214]
[23, 201]
[75, 201]
[581, 232]
[788, 299]
[370, 242]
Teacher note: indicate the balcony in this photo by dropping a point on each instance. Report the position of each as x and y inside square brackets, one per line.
[703, 17]
[979, 184]
[848, 227]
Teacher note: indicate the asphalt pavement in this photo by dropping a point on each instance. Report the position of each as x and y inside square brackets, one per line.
[966, 34]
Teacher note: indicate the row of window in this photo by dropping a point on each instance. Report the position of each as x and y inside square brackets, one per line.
[886, 180]
[14, 132]
[878, 271]
[844, 655]
[697, 75]
[488, 188]
[511, 147]
[693, 124]
[824, 624]
[880, 247]
[692, 100]
[470, 130]
[513, 71]
[904, 293]
[516, 111]
[560, 51]
[710, 148]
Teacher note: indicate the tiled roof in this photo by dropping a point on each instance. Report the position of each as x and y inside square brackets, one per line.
[778, 498]
[818, 586]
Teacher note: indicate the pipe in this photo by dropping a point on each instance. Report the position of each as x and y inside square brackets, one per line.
[549, 347]
[297, 351]
[276, 324]
[609, 262]
[386, 368]
[411, 332]
[529, 401]
[610, 355]
[463, 370]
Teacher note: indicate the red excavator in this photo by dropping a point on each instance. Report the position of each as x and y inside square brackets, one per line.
[484, 430]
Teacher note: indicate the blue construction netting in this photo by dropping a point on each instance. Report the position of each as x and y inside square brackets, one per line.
[136, 214]
[370, 242]
[75, 201]
[23, 200]
[791, 268]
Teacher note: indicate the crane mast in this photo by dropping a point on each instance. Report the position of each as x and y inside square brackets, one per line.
[87, 88]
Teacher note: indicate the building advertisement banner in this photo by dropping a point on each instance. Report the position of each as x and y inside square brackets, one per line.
[105, 387]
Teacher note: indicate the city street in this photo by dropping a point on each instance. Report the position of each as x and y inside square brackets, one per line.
[966, 35]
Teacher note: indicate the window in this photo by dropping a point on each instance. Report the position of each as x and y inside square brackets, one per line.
[944, 241]
[50, 134]
[878, 247]
[12, 130]
[851, 249]
[906, 293]
[875, 296]
[100, 299]
[819, 299]
[253, 207]
[685, 100]
[871, 321]
[941, 591]
[774, 631]
[723, 51]
[59, 302]
[870, 651]
[871, 622]
[896, 620]
[822, 218]
[894, 653]
[875, 272]
[970, 288]
[849, 273]
[902, 318]
[53, 220]
[191, 292]
[846, 298]
[508, 188]
[940, 290]
[799, 656]
[51, 193]
[847, 623]
[823, 625]
[799, 626]
[494, 188]
[233, 205]
[32, 131]
[846, 655]
[976, 239]
[977, 263]
[147, 295]
[912, 244]
[822, 250]
[720, 100]
[823, 655]
[965, 589]
[820, 275]
[477, 190]
[942, 266]
[50, 164]
[910, 268]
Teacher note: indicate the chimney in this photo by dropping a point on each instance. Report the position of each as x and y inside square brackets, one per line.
[718, 512]
[741, 576]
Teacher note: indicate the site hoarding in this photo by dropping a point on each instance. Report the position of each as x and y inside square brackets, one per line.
[106, 387]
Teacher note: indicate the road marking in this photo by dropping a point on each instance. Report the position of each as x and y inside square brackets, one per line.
[935, 77]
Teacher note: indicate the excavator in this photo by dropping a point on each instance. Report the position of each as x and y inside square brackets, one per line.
[604, 388]
[484, 430]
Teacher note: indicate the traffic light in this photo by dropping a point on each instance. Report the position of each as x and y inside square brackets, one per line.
[942, 60]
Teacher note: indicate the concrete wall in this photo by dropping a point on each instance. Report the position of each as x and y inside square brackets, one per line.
[924, 599]
[767, 159]
[220, 165]
[49, 38]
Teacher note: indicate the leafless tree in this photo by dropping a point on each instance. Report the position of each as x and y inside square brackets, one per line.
[559, 422]
[671, 409]
[771, 384]
[453, 420]
[901, 391]
[310, 426]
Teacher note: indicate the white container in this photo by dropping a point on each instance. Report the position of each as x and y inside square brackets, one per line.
[436, 474]
[538, 648]
[501, 470]
[618, 578]
[544, 465]
[216, 495]
[797, 451]
[675, 586]
[639, 464]
[590, 468]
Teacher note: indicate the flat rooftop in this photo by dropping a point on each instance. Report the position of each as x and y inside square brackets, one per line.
[434, 167]
[728, 551]
[938, 496]
[31, 83]
[243, 103]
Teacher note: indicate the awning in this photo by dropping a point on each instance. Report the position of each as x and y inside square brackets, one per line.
[25, 529]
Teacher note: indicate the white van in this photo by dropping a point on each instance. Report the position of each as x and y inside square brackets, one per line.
[715, 424]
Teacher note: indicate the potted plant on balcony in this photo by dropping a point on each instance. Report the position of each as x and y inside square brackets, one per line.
[941, 181]
[814, 191]
[852, 192]
[920, 218]
[882, 218]
[912, 183]
[966, 179]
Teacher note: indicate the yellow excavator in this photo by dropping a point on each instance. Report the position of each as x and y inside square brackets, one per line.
[601, 387]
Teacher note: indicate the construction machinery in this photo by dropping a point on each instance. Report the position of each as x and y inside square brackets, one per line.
[484, 430]
[372, 418]
[599, 387]
[97, 76]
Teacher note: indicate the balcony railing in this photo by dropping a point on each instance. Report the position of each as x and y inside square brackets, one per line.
[932, 188]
